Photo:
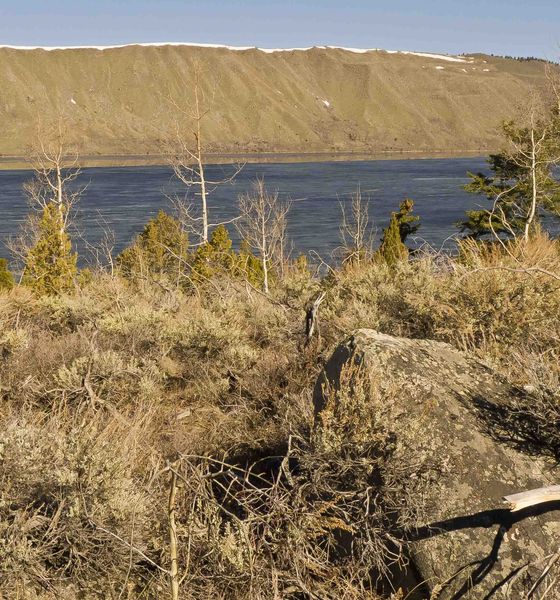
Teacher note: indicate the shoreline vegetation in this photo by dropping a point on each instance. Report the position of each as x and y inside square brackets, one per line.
[157, 414]
[22, 163]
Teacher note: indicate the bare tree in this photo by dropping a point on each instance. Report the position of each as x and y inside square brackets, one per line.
[523, 180]
[536, 151]
[101, 254]
[55, 165]
[262, 224]
[354, 229]
[187, 159]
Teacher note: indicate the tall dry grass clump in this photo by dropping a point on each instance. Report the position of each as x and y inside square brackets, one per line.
[491, 299]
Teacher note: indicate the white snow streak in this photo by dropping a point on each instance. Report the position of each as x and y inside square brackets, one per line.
[266, 50]
[243, 48]
[152, 44]
[459, 59]
[354, 50]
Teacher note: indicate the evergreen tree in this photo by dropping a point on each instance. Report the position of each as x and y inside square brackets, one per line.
[215, 257]
[392, 249]
[402, 224]
[301, 264]
[50, 265]
[250, 266]
[407, 222]
[6, 277]
[161, 249]
[522, 182]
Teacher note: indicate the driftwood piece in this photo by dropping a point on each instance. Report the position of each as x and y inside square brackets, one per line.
[533, 497]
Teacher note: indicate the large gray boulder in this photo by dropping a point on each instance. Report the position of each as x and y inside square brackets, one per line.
[450, 411]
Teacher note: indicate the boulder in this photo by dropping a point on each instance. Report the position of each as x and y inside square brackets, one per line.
[451, 411]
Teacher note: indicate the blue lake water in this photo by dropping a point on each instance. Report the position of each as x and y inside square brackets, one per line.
[124, 198]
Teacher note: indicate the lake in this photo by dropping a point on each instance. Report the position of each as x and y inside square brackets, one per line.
[124, 198]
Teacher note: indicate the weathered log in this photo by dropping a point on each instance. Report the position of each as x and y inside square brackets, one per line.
[449, 410]
[533, 497]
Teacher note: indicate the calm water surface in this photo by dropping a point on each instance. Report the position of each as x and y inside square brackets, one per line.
[124, 198]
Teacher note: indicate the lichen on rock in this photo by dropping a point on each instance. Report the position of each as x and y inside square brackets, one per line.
[443, 410]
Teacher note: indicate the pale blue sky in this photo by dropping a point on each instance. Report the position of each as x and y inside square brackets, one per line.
[516, 27]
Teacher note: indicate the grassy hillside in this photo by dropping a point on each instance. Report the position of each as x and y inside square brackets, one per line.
[318, 100]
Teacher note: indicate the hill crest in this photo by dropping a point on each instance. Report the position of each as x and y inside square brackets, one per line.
[319, 99]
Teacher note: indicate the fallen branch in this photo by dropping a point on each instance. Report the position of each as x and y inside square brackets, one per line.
[312, 318]
[542, 576]
[174, 569]
[533, 497]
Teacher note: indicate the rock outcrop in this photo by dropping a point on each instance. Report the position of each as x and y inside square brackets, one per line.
[452, 411]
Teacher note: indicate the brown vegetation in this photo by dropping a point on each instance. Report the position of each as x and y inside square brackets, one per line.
[114, 391]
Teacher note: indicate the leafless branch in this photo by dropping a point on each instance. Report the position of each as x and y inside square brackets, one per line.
[262, 224]
[354, 229]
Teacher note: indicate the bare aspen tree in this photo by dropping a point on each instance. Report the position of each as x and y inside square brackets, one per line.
[262, 224]
[101, 253]
[187, 159]
[536, 152]
[55, 167]
[523, 181]
[354, 229]
[43, 245]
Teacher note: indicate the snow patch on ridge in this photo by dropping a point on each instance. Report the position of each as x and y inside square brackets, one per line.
[243, 48]
[270, 50]
[146, 44]
[354, 50]
[447, 57]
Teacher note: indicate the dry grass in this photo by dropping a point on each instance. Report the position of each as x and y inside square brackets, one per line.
[489, 301]
[102, 390]
[251, 92]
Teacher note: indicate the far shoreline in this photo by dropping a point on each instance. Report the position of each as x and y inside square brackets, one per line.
[20, 163]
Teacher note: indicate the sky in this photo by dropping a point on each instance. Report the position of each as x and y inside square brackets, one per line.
[508, 27]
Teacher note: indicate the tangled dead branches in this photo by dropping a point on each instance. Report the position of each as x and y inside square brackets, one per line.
[308, 524]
